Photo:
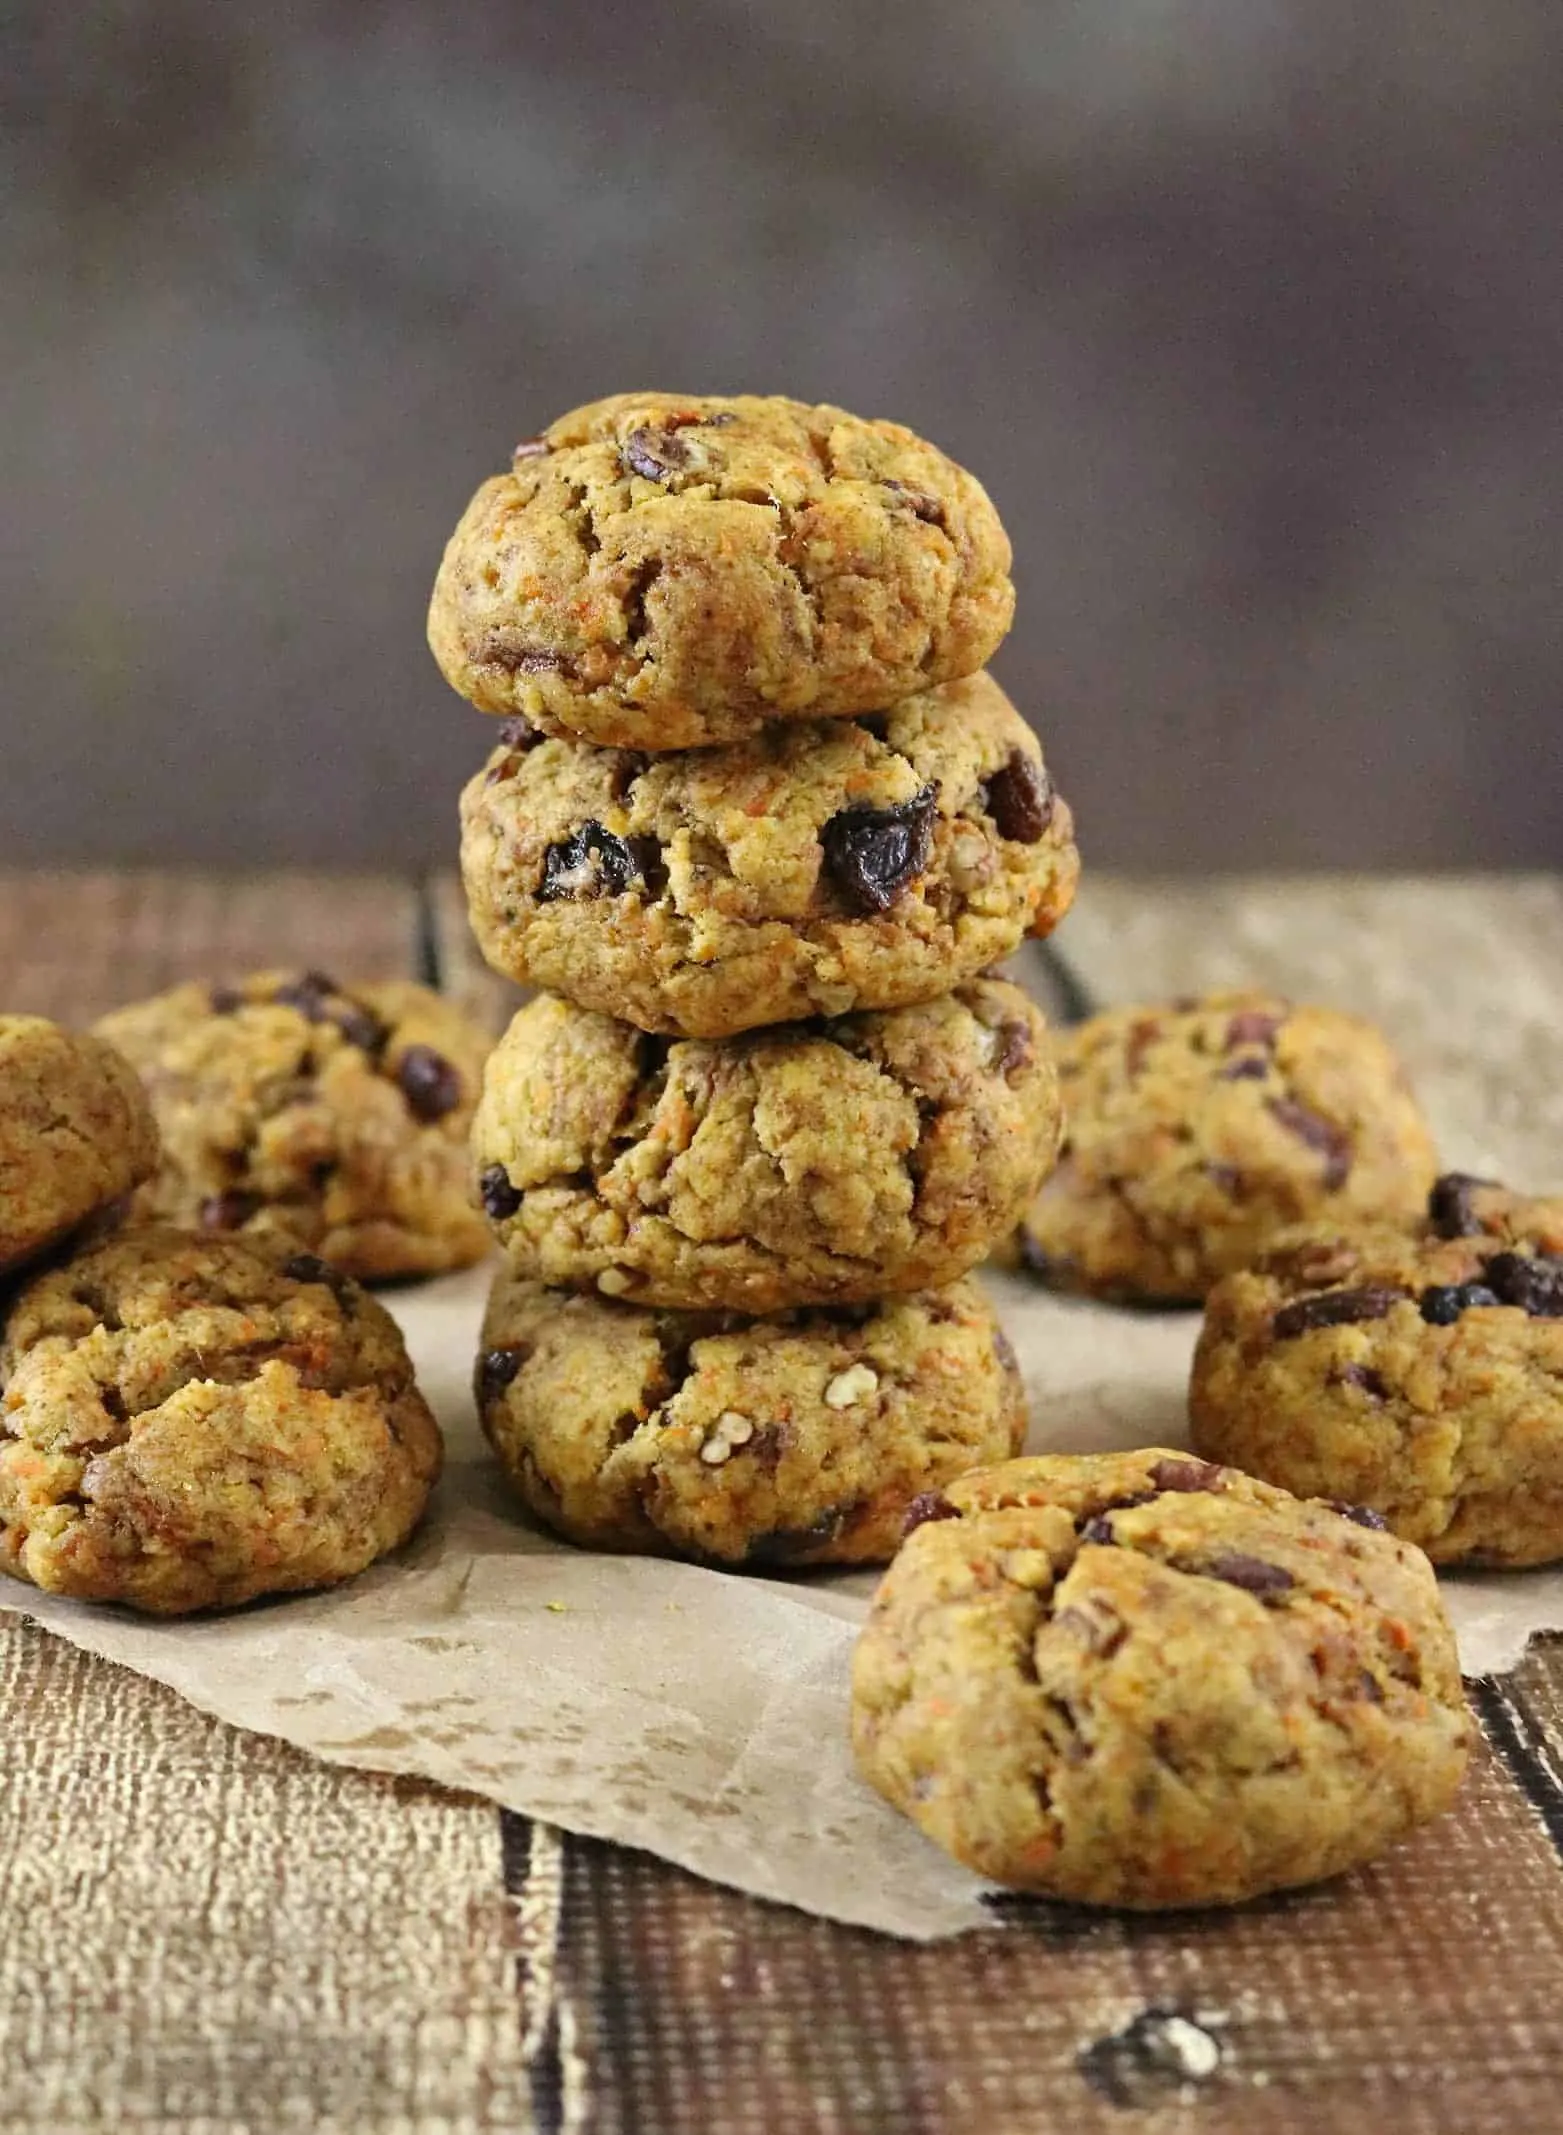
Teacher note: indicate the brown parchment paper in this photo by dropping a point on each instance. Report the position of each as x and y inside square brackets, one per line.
[694, 1713]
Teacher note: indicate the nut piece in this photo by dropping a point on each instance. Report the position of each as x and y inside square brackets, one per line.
[851, 1386]
[729, 1431]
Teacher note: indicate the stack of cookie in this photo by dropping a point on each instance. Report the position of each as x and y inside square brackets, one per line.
[761, 824]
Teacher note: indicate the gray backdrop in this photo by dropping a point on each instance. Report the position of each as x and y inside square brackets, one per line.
[1248, 312]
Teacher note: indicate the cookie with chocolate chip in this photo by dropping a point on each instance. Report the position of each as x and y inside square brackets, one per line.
[663, 571]
[811, 1163]
[330, 1115]
[1417, 1369]
[1141, 1680]
[810, 870]
[76, 1134]
[1195, 1131]
[759, 1444]
[188, 1422]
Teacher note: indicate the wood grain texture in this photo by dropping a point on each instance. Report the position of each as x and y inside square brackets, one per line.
[202, 1933]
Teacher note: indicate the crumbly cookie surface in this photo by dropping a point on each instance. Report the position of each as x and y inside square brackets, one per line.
[809, 871]
[663, 572]
[808, 1164]
[187, 1423]
[1139, 1680]
[1194, 1132]
[1414, 1368]
[334, 1117]
[756, 1443]
[76, 1133]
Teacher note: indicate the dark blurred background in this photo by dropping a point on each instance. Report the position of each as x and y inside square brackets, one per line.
[1248, 312]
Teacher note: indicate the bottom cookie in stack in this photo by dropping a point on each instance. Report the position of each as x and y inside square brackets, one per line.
[795, 1440]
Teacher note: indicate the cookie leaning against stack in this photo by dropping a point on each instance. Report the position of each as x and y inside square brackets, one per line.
[751, 773]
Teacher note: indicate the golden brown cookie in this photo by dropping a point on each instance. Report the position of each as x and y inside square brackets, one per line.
[336, 1118]
[1415, 1369]
[1194, 1132]
[807, 871]
[76, 1133]
[758, 1443]
[1137, 1680]
[807, 1164]
[661, 571]
[188, 1422]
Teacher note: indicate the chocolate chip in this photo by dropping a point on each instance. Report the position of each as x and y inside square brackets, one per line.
[653, 454]
[229, 1211]
[1252, 1574]
[1449, 1208]
[518, 733]
[1251, 1068]
[593, 862]
[1371, 1382]
[872, 854]
[226, 1000]
[1443, 1302]
[429, 1083]
[1334, 1308]
[1359, 1515]
[1333, 1144]
[1186, 1475]
[532, 448]
[500, 1199]
[928, 1505]
[1019, 797]
[497, 1367]
[1252, 1026]
[1535, 1284]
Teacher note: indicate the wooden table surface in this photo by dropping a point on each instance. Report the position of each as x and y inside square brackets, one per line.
[204, 1931]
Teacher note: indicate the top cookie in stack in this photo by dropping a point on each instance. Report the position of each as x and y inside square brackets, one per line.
[795, 603]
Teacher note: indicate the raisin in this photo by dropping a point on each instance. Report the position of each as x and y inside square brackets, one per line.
[1255, 1576]
[497, 1367]
[360, 1026]
[928, 1505]
[429, 1083]
[1012, 1047]
[1186, 1475]
[784, 1545]
[1099, 1530]
[309, 1267]
[1449, 1205]
[1251, 1068]
[593, 862]
[500, 649]
[1359, 1515]
[1332, 1143]
[518, 733]
[226, 1000]
[653, 454]
[1252, 1026]
[1019, 797]
[532, 448]
[1372, 1383]
[1443, 1303]
[1333, 1308]
[923, 506]
[500, 1199]
[308, 994]
[229, 1211]
[1534, 1284]
[872, 854]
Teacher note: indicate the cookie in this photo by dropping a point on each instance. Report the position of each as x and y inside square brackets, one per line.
[1414, 1369]
[809, 871]
[806, 1164]
[1137, 1680]
[188, 1422]
[336, 1119]
[76, 1133]
[663, 572]
[1195, 1132]
[757, 1443]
